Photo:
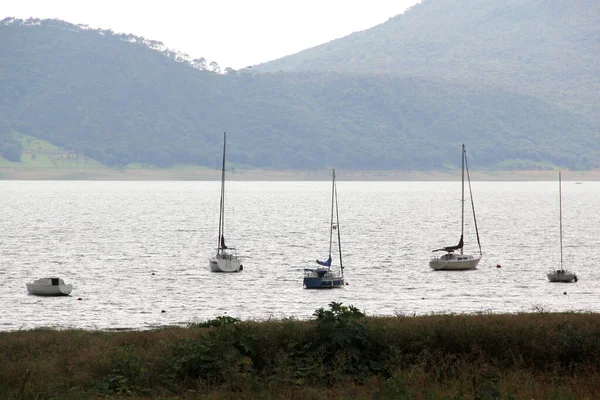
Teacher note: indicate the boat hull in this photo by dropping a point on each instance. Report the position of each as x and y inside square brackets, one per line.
[322, 278]
[561, 276]
[459, 263]
[225, 265]
[49, 290]
[323, 283]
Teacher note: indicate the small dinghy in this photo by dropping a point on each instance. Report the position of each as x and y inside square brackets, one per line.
[49, 287]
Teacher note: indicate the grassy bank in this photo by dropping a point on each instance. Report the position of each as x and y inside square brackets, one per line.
[340, 354]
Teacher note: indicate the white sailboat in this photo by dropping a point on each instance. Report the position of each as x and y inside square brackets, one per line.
[462, 261]
[226, 260]
[324, 276]
[561, 274]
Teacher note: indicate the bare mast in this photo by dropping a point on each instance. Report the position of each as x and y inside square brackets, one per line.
[462, 201]
[222, 203]
[560, 214]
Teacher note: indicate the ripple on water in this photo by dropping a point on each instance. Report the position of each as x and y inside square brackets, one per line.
[108, 238]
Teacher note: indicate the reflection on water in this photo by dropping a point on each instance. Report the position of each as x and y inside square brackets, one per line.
[134, 249]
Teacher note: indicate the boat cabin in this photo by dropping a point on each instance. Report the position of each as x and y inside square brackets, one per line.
[454, 257]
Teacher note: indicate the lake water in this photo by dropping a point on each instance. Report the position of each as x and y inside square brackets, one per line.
[134, 249]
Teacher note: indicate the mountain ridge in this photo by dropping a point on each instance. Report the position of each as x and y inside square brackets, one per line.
[508, 44]
[120, 100]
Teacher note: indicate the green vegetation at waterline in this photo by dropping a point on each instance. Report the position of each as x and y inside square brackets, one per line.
[339, 354]
[39, 153]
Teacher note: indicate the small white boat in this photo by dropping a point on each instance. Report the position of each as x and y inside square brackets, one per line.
[459, 262]
[561, 274]
[49, 287]
[226, 259]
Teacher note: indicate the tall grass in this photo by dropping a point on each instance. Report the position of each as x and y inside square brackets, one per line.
[339, 354]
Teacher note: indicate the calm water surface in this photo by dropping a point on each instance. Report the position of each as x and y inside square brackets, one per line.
[134, 249]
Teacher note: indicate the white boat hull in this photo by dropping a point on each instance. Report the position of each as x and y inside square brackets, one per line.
[457, 263]
[49, 287]
[230, 264]
[561, 276]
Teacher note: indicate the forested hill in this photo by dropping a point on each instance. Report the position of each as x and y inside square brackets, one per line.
[121, 99]
[545, 48]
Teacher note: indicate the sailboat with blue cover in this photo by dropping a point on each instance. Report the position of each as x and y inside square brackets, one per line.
[326, 276]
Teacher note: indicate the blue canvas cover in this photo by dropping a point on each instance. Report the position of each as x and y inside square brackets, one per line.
[325, 263]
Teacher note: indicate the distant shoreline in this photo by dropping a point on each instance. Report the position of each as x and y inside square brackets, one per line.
[204, 174]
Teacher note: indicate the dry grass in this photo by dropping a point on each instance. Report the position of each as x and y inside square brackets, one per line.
[523, 356]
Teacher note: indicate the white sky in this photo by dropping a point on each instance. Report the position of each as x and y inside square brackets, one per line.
[234, 33]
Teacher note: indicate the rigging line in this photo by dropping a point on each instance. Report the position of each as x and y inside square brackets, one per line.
[337, 214]
[472, 203]
[331, 222]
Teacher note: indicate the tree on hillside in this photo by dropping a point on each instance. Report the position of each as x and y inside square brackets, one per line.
[214, 67]
[199, 63]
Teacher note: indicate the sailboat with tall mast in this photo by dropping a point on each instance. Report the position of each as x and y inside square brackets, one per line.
[225, 260]
[462, 261]
[325, 276]
[561, 274]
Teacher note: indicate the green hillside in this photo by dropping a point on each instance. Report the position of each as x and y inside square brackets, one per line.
[38, 153]
[545, 48]
[122, 100]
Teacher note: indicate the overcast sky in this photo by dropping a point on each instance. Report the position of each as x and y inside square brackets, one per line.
[234, 33]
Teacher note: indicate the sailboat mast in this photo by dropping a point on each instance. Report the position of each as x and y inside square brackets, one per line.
[222, 204]
[331, 222]
[560, 212]
[462, 201]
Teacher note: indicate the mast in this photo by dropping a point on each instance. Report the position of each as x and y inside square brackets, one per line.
[337, 214]
[331, 222]
[222, 203]
[462, 201]
[560, 213]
